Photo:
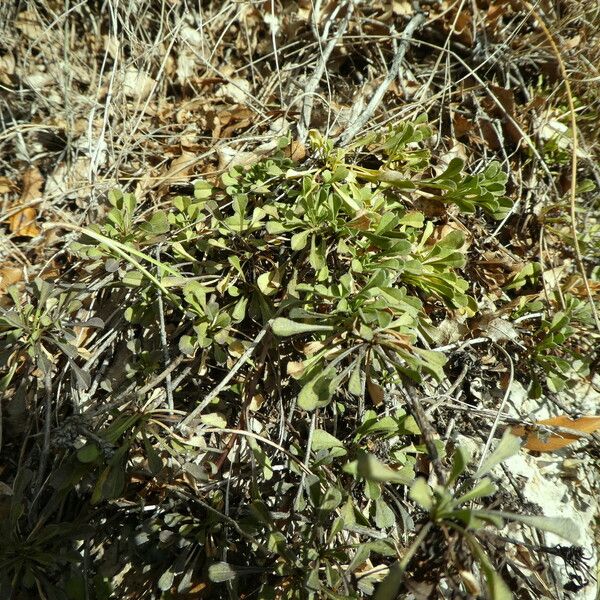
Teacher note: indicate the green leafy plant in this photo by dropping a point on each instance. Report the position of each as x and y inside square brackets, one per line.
[40, 324]
[556, 355]
[450, 508]
[286, 289]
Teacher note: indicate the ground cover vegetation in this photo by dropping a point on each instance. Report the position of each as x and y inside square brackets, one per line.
[273, 277]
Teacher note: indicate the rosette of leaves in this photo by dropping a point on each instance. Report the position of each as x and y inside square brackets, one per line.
[405, 165]
[559, 348]
[40, 327]
[455, 507]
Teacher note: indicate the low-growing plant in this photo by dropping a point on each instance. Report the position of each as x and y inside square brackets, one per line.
[287, 289]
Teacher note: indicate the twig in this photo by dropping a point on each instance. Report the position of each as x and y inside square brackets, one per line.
[231, 522]
[413, 25]
[426, 431]
[461, 345]
[304, 124]
[507, 392]
[128, 394]
[311, 431]
[163, 337]
[216, 390]
[258, 438]
[47, 427]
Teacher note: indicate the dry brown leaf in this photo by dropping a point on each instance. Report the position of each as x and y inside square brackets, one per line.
[6, 185]
[230, 157]
[257, 401]
[497, 329]
[361, 222]
[575, 286]
[180, 168]
[8, 276]
[402, 8]
[28, 23]
[464, 28]
[7, 68]
[22, 223]
[462, 125]
[555, 441]
[237, 90]
[137, 84]
[297, 151]
[295, 369]
[375, 391]
[312, 348]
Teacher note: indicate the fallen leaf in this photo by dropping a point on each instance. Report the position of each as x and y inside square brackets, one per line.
[230, 157]
[402, 7]
[463, 28]
[7, 68]
[6, 185]
[500, 330]
[555, 441]
[257, 401]
[137, 84]
[180, 168]
[237, 90]
[376, 392]
[297, 151]
[28, 23]
[462, 125]
[8, 276]
[22, 222]
[295, 369]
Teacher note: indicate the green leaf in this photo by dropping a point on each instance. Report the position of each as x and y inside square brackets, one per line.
[214, 419]
[299, 240]
[483, 488]
[455, 166]
[355, 382]
[412, 218]
[384, 515]
[186, 345]
[266, 283]
[507, 447]
[165, 581]
[155, 462]
[420, 492]
[239, 311]
[222, 571]
[158, 223]
[369, 467]
[263, 459]
[316, 257]
[460, 460]
[496, 585]
[110, 484]
[88, 453]
[331, 500]
[322, 440]
[318, 392]
[560, 526]
[285, 327]
[584, 186]
[390, 586]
